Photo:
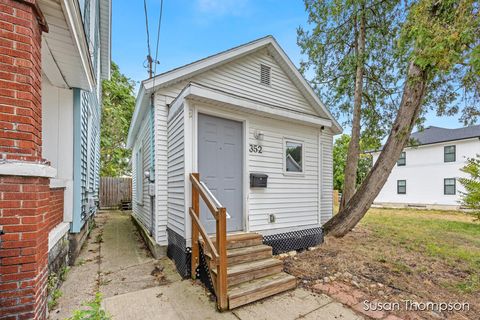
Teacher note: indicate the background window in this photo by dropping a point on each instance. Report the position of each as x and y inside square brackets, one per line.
[401, 186]
[139, 176]
[402, 160]
[449, 154]
[293, 156]
[449, 187]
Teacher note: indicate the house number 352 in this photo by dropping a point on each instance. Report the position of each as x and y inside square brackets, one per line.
[255, 148]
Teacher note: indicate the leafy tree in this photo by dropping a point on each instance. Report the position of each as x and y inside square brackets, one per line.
[340, 148]
[471, 197]
[118, 104]
[350, 49]
[441, 45]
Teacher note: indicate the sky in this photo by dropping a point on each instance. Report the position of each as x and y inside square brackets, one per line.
[194, 29]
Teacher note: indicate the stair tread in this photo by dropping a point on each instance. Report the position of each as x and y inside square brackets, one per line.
[251, 266]
[240, 236]
[247, 250]
[256, 285]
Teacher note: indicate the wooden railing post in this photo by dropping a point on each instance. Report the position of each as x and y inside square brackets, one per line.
[196, 209]
[222, 265]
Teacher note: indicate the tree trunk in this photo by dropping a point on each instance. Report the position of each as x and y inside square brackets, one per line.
[410, 106]
[351, 166]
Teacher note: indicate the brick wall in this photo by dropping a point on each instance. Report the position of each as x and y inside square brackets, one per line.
[20, 82]
[24, 210]
[55, 215]
[24, 201]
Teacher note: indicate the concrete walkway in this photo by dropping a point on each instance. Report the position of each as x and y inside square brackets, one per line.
[116, 263]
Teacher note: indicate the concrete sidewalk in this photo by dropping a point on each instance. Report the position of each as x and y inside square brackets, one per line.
[116, 263]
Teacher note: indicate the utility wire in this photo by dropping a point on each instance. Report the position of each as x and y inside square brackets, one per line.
[158, 38]
[149, 57]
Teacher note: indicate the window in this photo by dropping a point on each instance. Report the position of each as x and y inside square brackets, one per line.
[401, 186]
[293, 156]
[139, 176]
[449, 154]
[402, 160]
[449, 187]
[265, 74]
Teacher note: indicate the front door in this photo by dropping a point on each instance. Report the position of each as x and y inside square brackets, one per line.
[220, 164]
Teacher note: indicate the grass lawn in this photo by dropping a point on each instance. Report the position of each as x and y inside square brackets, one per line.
[421, 255]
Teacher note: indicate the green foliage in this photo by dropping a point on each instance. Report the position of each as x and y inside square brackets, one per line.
[93, 310]
[118, 105]
[329, 44]
[471, 197]
[340, 149]
[442, 37]
[53, 301]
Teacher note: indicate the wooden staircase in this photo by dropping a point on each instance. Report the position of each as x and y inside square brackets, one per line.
[252, 272]
[241, 267]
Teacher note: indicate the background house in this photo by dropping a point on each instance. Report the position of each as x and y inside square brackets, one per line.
[55, 53]
[427, 172]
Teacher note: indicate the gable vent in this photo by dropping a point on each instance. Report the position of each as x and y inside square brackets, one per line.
[265, 74]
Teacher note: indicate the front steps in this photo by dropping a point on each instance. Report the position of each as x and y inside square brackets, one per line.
[252, 272]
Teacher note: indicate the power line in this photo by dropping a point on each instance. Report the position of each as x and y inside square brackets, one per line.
[149, 57]
[158, 38]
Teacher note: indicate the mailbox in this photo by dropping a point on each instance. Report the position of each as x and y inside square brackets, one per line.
[258, 180]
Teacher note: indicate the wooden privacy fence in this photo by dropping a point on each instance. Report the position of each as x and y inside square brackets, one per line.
[114, 192]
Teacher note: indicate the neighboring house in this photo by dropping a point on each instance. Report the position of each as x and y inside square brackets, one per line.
[427, 172]
[242, 112]
[54, 55]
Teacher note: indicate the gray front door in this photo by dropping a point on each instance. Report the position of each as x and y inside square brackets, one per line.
[220, 164]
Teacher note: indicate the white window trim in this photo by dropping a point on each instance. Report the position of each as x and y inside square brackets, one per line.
[139, 176]
[284, 159]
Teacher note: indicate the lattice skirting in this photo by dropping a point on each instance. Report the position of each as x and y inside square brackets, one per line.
[281, 242]
[178, 251]
[294, 240]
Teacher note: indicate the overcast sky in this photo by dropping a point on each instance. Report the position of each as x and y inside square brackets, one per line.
[194, 29]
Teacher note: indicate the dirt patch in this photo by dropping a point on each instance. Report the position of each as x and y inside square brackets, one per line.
[365, 265]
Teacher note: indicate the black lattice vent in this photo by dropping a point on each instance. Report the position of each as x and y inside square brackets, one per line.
[179, 253]
[203, 272]
[294, 240]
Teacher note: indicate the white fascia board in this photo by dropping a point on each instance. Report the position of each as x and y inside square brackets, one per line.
[26, 169]
[141, 105]
[106, 38]
[74, 21]
[193, 91]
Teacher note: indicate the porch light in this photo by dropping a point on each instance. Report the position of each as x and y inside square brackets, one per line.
[258, 135]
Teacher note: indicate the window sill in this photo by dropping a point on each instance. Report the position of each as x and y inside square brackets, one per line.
[294, 174]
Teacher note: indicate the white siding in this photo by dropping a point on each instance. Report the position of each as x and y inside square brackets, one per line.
[141, 208]
[176, 174]
[296, 201]
[242, 77]
[326, 176]
[293, 199]
[425, 171]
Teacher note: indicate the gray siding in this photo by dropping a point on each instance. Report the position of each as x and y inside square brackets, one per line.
[176, 174]
[141, 206]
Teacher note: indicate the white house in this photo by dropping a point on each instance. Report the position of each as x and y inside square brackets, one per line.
[233, 117]
[426, 175]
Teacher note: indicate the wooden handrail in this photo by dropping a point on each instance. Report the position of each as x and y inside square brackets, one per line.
[204, 194]
[219, 249]
[208, 242]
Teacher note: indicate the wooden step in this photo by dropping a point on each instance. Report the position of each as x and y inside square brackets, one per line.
[257, 289]
[241, 240]
[247, 254]
[252, 270]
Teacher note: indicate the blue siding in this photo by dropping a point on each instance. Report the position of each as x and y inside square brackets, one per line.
[87, 116]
